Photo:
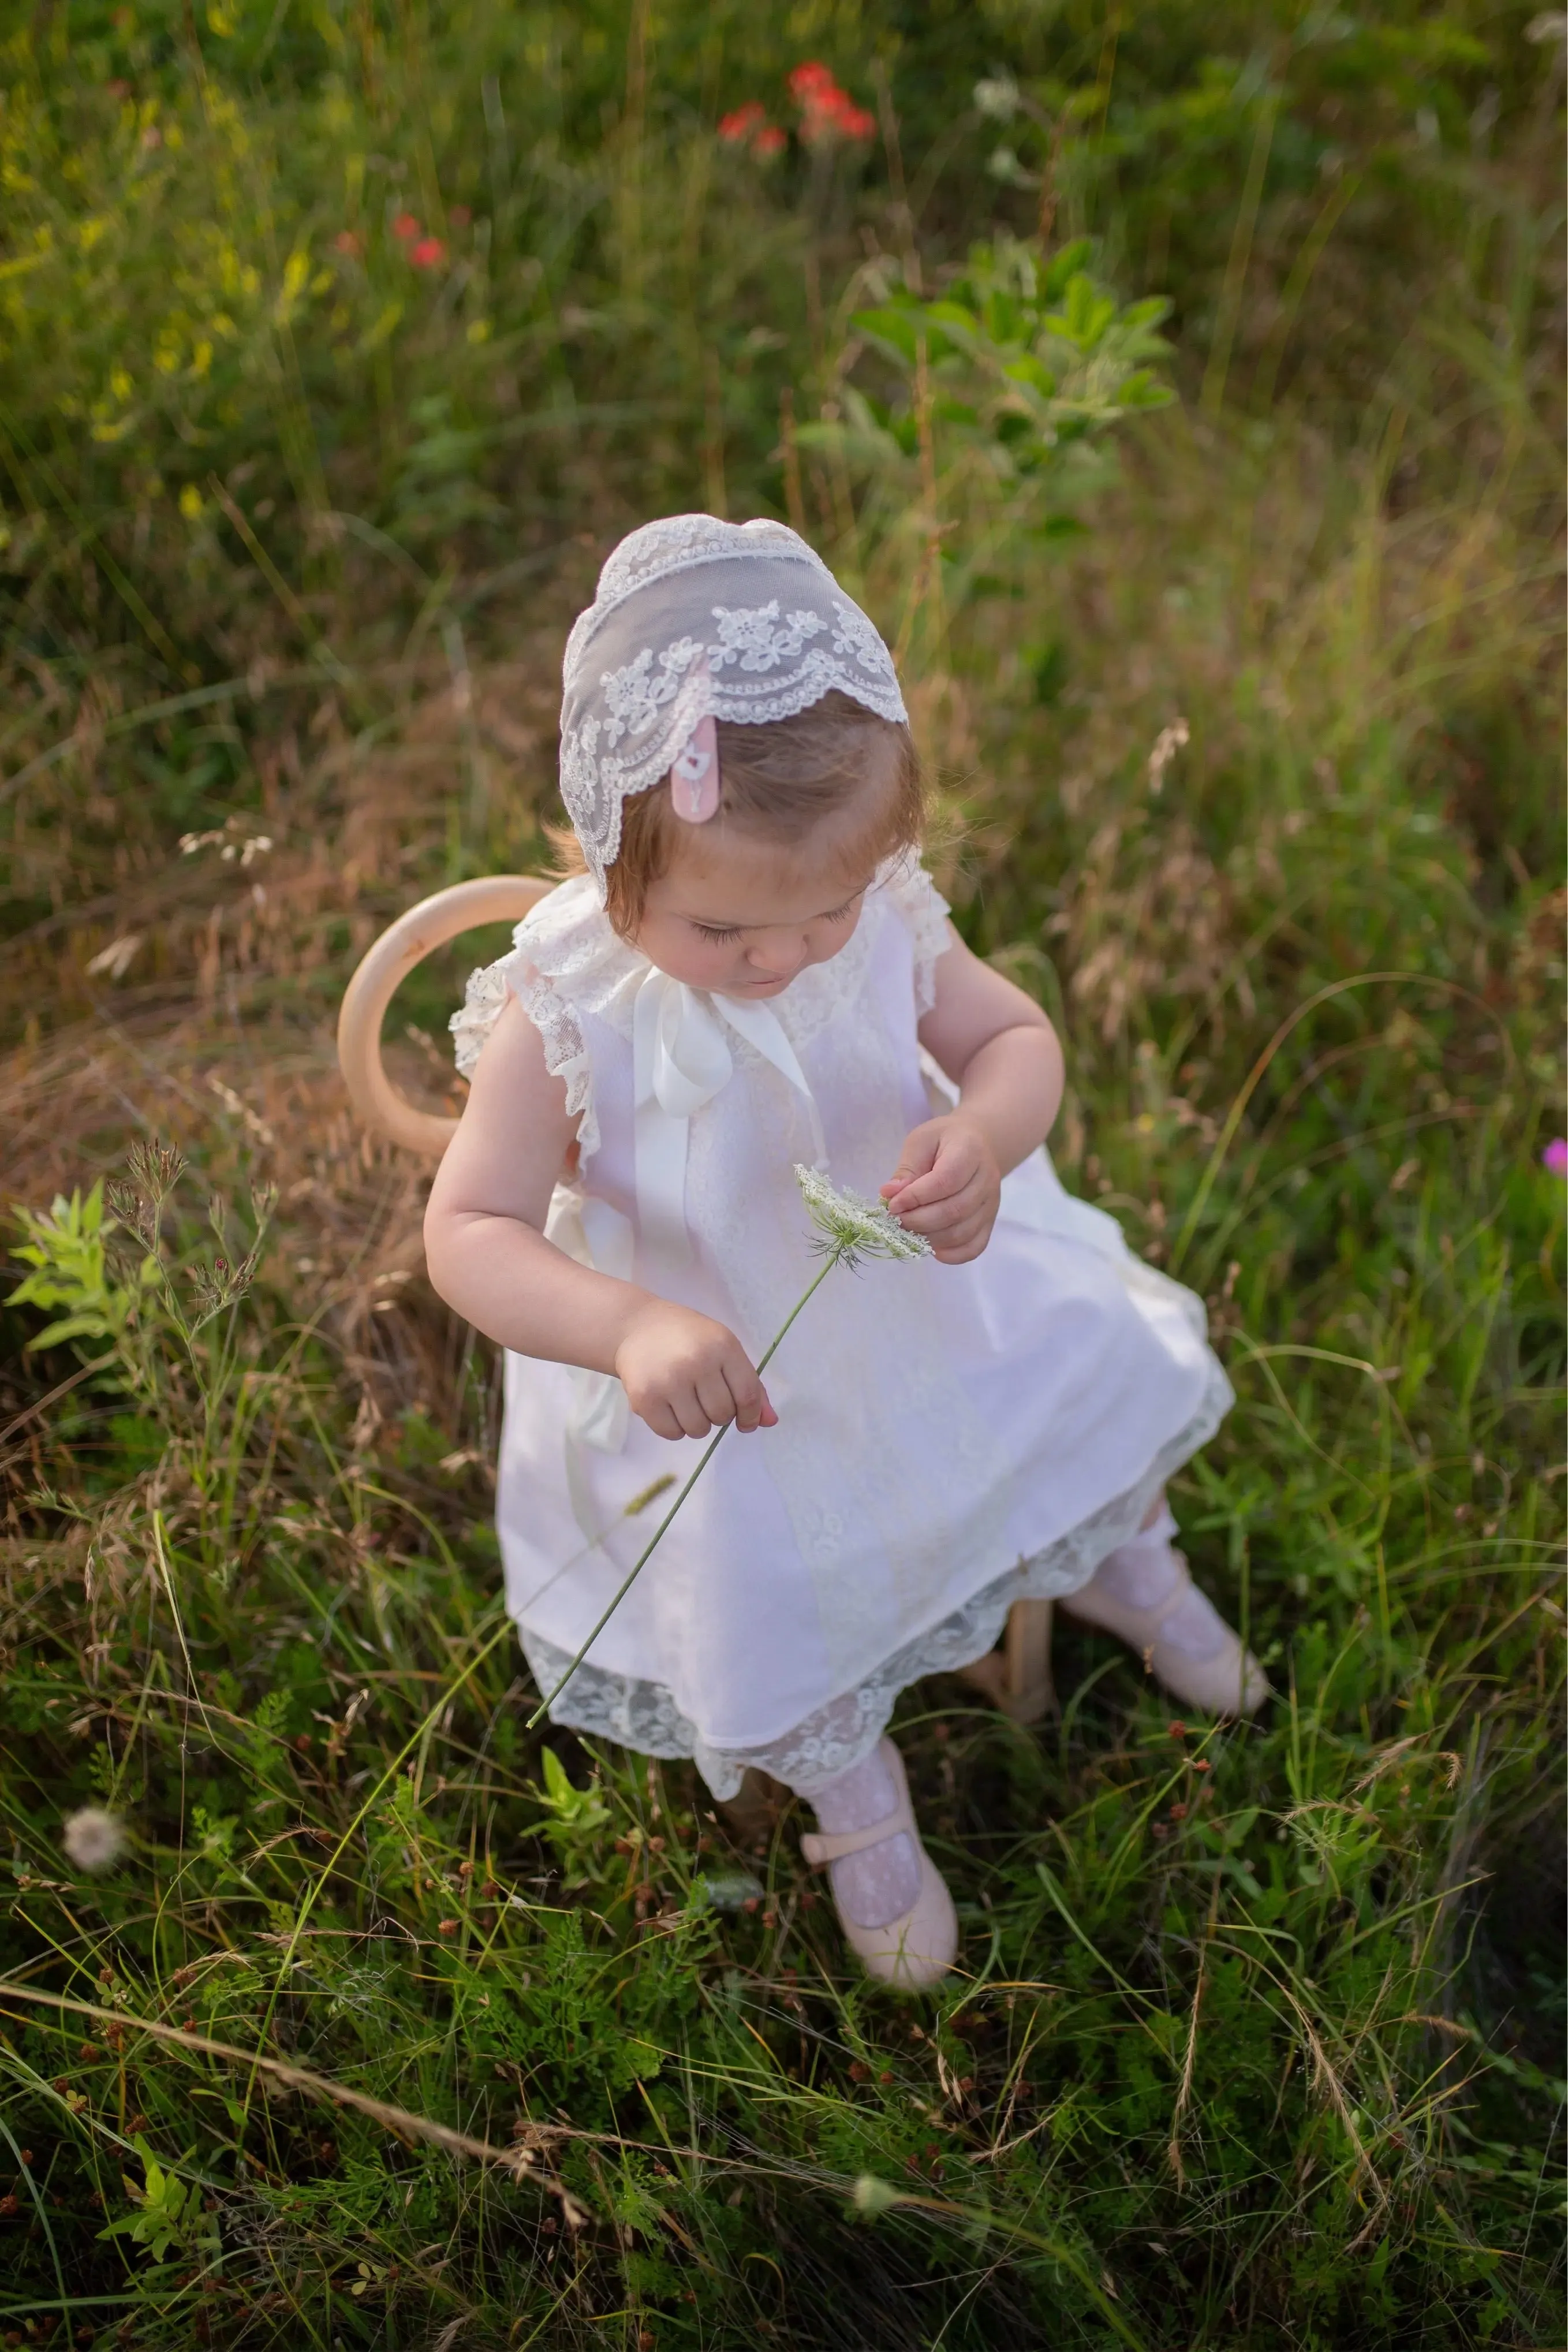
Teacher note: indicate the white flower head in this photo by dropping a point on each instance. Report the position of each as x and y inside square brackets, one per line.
[853, 1228]
[998, 96]
[93, 1838]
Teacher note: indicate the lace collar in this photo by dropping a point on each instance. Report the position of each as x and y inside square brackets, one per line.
[568, 941]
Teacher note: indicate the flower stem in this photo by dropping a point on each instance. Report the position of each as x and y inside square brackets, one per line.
[829, 1262]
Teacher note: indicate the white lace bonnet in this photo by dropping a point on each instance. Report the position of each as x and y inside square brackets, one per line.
[694, 619]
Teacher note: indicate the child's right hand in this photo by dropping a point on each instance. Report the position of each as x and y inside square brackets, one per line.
[685, 1374]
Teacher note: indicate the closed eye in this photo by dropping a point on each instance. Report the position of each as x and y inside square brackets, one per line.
[725, 934]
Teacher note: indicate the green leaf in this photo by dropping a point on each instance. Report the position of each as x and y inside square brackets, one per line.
[892, 331]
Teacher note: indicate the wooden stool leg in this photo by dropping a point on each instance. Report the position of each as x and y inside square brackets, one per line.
[1017, 1677]
[1031, 1692]
[753, 1813]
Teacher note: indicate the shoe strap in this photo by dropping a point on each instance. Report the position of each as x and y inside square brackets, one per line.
[821, 1847]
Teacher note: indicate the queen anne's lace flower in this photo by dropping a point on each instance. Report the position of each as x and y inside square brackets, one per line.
[851, 1227]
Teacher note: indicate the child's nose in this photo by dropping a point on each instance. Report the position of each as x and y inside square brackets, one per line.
[780, 953]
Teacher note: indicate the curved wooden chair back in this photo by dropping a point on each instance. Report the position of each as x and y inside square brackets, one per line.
[495, 899]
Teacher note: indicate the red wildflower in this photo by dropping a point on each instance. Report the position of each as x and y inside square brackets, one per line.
[406, 227]
[826, 110]
[769, 141]
[736, 128]
[428, 254]
[345, 241]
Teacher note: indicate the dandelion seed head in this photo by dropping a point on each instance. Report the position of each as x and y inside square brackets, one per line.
[851, 1227]
[93, 1838]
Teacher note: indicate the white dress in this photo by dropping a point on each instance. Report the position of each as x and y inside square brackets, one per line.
[950, 1438]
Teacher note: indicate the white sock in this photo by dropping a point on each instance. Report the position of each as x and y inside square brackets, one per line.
[1140, 1572]
[877, 1887]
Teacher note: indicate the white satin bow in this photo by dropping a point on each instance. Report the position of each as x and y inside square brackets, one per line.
[680, 1060]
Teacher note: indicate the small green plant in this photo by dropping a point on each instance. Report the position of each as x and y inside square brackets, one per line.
[168, 2216]
[67, 1246]
[976, 460]
[1024, 364]
[574, 1817]
[114, 1276]
[121, 1282]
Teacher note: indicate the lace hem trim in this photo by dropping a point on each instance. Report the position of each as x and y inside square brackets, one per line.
[645, 1717]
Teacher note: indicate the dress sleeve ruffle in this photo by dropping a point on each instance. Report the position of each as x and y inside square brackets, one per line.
[923, 910]
[559, 944]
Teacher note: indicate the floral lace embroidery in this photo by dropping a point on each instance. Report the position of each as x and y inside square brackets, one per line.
[568, 959]
[749, 636]
[634, 699]
[566, 1054]
[680, 543]
[924, 911]
[855, 636]
[643, 1715]
[640, 676]
[483, 1002]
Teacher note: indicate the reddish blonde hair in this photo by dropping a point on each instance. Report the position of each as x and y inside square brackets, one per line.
[781, 780]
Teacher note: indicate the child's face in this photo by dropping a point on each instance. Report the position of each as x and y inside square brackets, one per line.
[737, 914]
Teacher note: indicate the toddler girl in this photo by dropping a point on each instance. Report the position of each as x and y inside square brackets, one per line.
[753, 971]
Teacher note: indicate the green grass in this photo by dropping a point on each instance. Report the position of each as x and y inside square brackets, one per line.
[1258, 2041]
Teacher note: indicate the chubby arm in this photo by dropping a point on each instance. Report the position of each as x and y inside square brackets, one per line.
[485, 1246]
[1004, 1057]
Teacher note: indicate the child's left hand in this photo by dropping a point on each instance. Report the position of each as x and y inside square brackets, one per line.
[948, 1186]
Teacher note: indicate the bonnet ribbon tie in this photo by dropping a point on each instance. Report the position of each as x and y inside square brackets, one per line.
[680, 1060]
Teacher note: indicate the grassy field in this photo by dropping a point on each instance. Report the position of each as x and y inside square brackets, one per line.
[338, 342]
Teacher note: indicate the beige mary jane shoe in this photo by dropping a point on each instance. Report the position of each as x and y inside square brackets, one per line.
[1230, 1682]
[919, 1948]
